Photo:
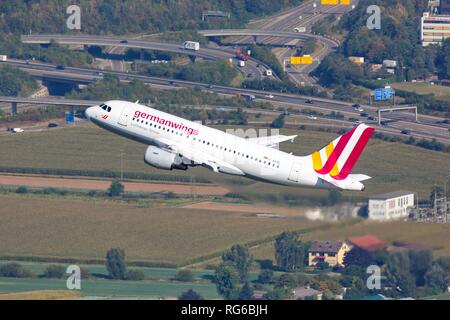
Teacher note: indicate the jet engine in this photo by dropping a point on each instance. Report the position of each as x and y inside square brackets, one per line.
[163, 159]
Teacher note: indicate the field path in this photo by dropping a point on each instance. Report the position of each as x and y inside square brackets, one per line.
[71, 183]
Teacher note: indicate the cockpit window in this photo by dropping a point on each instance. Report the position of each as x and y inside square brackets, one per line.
[105, 107]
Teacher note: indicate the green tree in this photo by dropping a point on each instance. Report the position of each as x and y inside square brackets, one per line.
[358, 257]
[190, 295]
[14, 270]
[135, 275]
[289, 252]
[286, 281]
[22, 190]
[265, 277]
[115, 263]
[240, 257]
[54, 271]
[184, 275]
[278, 122]
[227, 280]
[246, 292]
[420, 263]
[116, 189]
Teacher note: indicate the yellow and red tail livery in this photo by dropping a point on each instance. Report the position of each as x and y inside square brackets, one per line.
[338, 158]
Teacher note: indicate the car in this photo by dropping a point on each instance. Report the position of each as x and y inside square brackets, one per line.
[384, 123]
[312, 117]
[448, 129]
[270, 96]
[210, 86]
[372, 118]
[17, 130]
[52, 125]
[124, 41]
[60, 67]
[364, 114]
[309, 101]
[356, 106]
[405, 131]
[360, 109]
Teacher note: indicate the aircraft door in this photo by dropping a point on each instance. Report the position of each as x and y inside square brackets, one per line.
[124, 116]
[295, 172]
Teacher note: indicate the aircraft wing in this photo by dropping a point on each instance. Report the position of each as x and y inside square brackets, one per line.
[200, 158]
[272, 141]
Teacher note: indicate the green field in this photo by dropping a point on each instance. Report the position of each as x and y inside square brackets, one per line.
[110, 288]
[52, 227]
[440, 92]
[393, 166]
[158, 283]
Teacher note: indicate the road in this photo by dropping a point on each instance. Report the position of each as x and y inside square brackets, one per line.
[427, 125]
[290, 19]
[205, 52]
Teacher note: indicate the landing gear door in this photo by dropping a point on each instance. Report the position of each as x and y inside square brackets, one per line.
[295, 172]
[124, 116]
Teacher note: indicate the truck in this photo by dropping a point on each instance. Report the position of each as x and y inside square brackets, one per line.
[300, 29]
[241, 55]
[249, 97]
[191, 45]
[17, 130]
[3, 57]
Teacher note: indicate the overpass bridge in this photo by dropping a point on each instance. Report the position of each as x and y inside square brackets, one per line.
[267, 33]
[207, 53]
[15, 101]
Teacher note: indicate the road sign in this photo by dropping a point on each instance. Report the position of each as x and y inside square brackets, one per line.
[306, 59]
[382, 94]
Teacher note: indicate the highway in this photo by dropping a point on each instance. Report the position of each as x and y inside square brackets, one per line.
[209, 53]
[303, 15]
[427, 125]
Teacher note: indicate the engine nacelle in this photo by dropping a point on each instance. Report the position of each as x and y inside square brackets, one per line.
[163, 159]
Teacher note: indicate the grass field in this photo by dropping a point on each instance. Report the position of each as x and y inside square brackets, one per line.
[441, 92]
[41, 295]
[393, 166]
[109, 288]
[47, 227]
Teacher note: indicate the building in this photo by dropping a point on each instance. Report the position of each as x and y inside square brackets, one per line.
[434, 28]
[332, 252]
[306, 292]
[391, 206]
[259, 294]
[368, 243]
[357, 60]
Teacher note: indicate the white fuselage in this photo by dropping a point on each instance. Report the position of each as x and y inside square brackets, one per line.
[154, 127]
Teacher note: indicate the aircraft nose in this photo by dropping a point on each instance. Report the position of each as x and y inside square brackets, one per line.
[89, 112]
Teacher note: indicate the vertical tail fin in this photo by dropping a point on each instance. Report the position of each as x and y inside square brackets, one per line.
[339, 157]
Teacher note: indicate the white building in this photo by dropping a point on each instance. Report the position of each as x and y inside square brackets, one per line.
[434, 28]
[390, 206]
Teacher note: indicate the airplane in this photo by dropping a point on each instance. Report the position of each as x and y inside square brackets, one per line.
[175, 143]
